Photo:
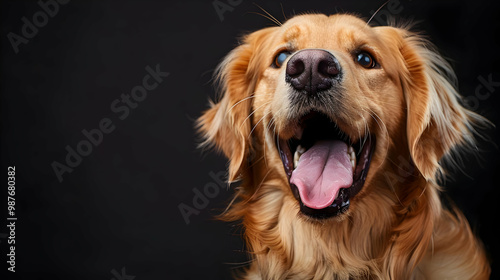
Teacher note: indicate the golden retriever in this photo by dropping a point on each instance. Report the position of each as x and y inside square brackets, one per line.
[339, 131]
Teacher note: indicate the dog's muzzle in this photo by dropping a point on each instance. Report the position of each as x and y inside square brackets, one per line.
[324, 166]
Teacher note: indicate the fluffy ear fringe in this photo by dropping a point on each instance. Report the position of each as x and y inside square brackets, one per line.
[226, 125]
[439, 128]
[222, 126]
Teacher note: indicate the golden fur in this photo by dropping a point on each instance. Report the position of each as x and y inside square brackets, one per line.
[396, 227]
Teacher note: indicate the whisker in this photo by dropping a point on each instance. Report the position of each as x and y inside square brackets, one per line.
[283, 12]
[375, 117]
[376, 12]
[255, 126]
[382, 126]
[253, 112]
[254, 162]
[275, 22]
[271, 17]
[246, 98]
[258, 188]
[268, 128]
[276, 134]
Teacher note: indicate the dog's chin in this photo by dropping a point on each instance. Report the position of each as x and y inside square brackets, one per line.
[324, 166]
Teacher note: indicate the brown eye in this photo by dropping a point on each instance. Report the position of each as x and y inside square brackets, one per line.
[280, 58]
[366, 60]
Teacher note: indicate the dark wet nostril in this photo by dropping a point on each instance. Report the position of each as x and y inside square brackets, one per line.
[328, 68]
[295, 68]
[311, 71]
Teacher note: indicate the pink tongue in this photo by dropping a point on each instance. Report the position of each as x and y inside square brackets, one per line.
[321, 172]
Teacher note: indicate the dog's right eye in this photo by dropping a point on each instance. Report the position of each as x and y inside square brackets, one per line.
[280, 58]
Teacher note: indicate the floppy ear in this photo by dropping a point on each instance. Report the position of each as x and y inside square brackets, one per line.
[227, 124]
[437, 124]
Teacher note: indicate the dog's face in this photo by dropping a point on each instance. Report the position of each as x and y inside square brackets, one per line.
[330, 105]
[328, 97]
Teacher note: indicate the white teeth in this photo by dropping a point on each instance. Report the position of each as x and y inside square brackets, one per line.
[352, 156]
[300, 150]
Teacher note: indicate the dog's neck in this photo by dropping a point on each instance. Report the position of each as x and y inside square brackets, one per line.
[284, 242]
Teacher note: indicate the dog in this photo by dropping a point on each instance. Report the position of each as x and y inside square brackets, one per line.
[340, 134]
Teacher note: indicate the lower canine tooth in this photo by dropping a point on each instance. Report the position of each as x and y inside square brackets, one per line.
[350, 150]
[300, 150]
[352, 157]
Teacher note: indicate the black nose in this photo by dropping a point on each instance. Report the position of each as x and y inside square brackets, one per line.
[311, 71]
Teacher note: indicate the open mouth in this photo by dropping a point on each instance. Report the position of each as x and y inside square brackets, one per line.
[325, 168]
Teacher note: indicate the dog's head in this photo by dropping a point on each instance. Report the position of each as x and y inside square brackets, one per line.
[344, 106]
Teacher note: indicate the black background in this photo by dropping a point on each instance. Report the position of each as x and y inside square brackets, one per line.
[118, 209]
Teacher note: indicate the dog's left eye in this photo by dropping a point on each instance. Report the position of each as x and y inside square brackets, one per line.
[366, 60]
[280, 58]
